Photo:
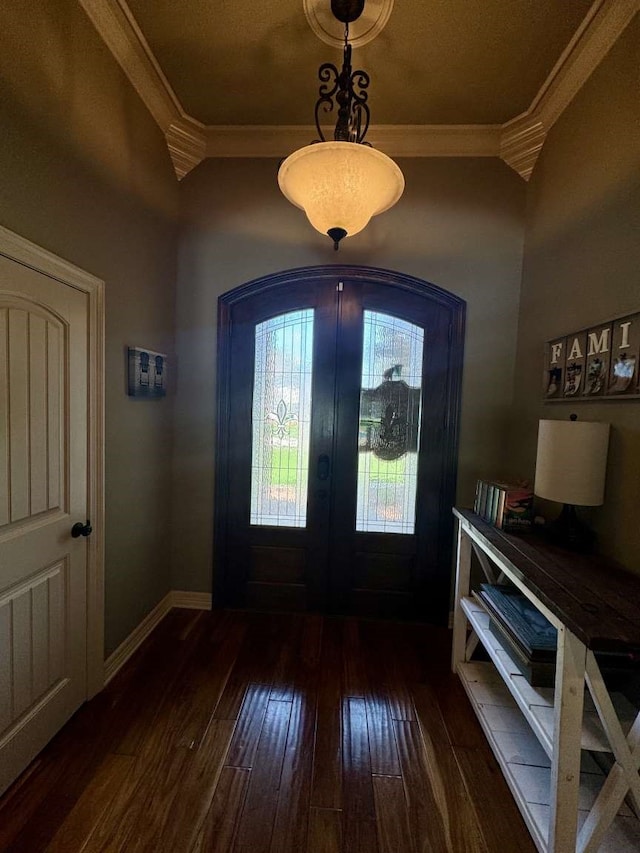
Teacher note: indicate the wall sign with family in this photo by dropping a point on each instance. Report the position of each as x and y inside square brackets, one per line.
[601, 361]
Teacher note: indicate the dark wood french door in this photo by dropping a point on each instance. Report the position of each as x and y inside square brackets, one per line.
[337, 439]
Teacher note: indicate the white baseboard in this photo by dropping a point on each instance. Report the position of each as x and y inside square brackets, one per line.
[174, 598]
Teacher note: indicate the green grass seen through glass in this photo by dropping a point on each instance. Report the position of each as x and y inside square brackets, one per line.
[284, 464]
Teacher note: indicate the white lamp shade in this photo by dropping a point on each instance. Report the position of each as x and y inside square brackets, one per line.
[340, 184]
[572, 461]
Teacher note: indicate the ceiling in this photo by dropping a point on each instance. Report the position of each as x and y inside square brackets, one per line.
[465, 78]
[435, 62]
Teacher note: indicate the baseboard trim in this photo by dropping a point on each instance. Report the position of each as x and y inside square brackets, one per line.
[136, 638]
[191, 600]
[174, 598]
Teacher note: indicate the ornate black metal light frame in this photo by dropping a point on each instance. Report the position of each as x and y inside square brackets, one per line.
[342, 183]
[346, 88]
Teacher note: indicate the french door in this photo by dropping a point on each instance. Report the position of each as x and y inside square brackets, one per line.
[337, 432]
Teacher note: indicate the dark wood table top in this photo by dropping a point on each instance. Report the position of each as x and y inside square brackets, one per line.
[595, 597]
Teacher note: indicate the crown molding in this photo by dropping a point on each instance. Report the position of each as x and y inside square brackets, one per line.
[437, 140]
[522, 138]
[602, 27]
[118, 28]
[520, 143]
[517, 142]
[395, 140]
[187, 144]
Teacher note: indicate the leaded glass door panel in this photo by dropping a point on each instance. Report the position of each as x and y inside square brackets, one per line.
[337, 461]
[389, 424]
[280, 422]
[281, 419]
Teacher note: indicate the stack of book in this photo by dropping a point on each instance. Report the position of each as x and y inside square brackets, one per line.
[531, 641]
[505, 505]
[527, 635]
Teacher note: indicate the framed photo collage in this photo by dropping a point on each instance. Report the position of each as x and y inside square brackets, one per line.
[599, 362]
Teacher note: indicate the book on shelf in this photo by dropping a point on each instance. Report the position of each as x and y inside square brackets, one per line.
[530, 640]
[481, 498]
[518, 508]
[488, 515]
[502, 499]
[527, 636]
[508, 506]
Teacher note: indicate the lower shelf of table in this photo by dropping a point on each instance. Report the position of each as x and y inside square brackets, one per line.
[526, 766]
[536, 703]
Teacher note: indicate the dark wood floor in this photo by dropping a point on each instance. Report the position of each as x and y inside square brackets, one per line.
[270, 734]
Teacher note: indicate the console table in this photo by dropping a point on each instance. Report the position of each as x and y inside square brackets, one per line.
[570, 754]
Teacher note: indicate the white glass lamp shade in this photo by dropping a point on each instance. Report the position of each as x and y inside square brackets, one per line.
[340, 184]
[572, 462]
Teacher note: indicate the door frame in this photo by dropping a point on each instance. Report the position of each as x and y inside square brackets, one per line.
[28, 254]
[456, 308]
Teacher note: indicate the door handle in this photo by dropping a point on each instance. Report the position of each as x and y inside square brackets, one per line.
[80, 529]
[323, 467]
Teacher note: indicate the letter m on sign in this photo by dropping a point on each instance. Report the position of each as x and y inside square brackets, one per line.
[599, 341]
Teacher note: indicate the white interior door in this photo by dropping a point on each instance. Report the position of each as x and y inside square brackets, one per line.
[43, 492]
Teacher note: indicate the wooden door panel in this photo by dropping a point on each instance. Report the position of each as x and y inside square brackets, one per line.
[5, 482]
[32, 389]
[38, 427]
[269, 566]
[56, 464]
[33, 626]
[43, 491]
[277, 578]
[279, 595]
[17, 363]
[393, 572]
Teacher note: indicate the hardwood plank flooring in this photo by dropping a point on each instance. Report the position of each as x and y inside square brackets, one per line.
[231, 732]
[220, 826]
[325, 831]
[326, 789]
[392, 817]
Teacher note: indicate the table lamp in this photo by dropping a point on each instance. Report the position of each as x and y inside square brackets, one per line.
[571, 465]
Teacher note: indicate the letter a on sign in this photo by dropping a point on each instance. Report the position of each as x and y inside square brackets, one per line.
[576, 352]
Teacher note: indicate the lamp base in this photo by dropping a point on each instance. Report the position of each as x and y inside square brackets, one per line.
[569, 532]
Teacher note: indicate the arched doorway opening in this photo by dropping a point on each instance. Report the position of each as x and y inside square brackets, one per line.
[338, 410]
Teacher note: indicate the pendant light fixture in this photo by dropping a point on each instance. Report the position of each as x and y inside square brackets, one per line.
[342, 183]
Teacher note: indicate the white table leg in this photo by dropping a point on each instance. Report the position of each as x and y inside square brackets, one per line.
[463, 580]
[623, 777]
[565, 768]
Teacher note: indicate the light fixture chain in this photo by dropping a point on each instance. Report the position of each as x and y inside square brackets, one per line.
[347, 89]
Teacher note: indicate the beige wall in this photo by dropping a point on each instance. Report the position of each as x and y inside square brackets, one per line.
[459, 225]
[84, 172]
[582, 266]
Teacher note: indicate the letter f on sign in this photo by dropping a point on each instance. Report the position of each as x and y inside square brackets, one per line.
[556, 352]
